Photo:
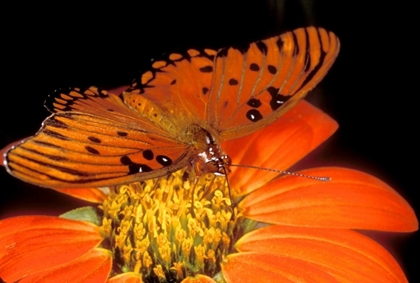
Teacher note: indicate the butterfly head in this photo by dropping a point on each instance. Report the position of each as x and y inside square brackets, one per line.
[212, 160]
[209, 157]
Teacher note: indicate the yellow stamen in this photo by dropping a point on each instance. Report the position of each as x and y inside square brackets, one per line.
[154, 229]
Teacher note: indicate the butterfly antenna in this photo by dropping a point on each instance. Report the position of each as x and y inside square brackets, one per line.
[226, 170]
[318, 178]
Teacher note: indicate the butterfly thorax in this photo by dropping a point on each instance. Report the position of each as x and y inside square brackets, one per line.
[209, 157]
[212, 160]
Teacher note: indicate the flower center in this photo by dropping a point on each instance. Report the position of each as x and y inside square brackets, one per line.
[172, 227]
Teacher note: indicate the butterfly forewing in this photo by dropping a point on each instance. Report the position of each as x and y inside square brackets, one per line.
[253, 86]
[77, 148]
[99, 103]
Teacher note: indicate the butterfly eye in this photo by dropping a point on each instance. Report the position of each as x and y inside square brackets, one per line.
[226, 160]
[219, 165]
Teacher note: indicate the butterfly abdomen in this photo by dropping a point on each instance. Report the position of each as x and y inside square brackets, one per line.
[147, 109]
[144, 107]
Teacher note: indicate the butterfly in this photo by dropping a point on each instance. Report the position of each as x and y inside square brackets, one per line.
[176, 114]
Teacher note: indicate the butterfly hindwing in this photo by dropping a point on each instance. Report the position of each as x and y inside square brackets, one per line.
[253, 85]
[178, 83]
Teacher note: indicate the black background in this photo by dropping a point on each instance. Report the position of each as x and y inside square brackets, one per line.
[370, 90]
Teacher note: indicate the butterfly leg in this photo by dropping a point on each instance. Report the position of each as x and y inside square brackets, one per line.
[193, 188]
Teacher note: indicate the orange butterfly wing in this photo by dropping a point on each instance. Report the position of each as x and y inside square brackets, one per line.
[254, 85]
[94, 139]
[100, 139]
[179, 83]
[238, 90]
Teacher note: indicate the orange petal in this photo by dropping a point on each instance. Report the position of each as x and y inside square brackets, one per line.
[199, 278]
[29, 244]
[94, 195]
[351, 200]
[278, 145]
[128, 277]
[259, 267]
[94, 266]
[347, 255]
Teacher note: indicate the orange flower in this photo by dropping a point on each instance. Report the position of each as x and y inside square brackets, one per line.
[290, 228]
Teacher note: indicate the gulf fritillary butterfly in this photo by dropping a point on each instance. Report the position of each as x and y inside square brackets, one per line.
[175, 115]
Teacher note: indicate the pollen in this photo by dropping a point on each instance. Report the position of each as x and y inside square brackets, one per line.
[170, 228]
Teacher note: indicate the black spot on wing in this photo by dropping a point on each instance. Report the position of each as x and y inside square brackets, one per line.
[133, 167]
[205, 90]
[272, 69]
[254, 103]
[95, 140]
[254, 67]
[138, 168]
[277, 99]
[92, 150]
[206, 69]
[148, 154]
[55, 158]
[233, 82]
[122, 134]
[163, 160]
[273, 91]
[254, 115]
[54, 134]
[125, 160]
